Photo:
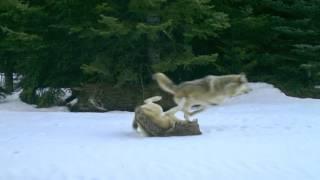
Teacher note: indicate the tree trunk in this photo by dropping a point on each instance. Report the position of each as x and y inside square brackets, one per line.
[153, 49]
[9, 80]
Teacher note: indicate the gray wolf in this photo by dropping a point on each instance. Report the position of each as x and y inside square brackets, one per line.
[203, 92]
[165, 120]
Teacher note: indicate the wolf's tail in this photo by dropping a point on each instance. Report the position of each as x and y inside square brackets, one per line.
[165, 83]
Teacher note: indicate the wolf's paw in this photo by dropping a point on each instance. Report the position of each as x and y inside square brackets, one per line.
[190, 121]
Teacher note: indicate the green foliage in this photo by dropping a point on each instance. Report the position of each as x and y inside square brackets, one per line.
[187, 61]
[272, 40]
[28, 95]
[49, 97]
[70, 43]
[145, 36]
[42, 97]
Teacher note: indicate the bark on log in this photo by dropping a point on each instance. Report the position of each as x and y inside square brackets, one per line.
[181, 128]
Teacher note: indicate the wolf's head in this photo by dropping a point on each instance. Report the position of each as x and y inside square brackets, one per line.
[243, 85]
[237, 85]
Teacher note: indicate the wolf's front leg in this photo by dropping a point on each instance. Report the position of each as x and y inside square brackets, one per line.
[186, 116]
[185, 107]
[198, 110]
[172, 111]
[188, 112]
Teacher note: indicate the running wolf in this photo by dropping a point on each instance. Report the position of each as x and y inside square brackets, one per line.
[203, 92]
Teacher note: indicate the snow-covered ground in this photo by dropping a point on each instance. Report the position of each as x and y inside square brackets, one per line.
[13, 103]
[263, 135]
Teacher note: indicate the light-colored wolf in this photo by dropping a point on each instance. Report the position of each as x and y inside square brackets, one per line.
[203, 92]
[155, 113]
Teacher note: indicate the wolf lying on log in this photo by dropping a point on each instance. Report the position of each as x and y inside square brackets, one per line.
[151, 120]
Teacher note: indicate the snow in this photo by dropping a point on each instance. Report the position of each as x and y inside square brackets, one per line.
[13, 103]
[262, 135]
[64, 92]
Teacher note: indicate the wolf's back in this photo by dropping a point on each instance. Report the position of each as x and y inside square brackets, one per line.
[165, 83]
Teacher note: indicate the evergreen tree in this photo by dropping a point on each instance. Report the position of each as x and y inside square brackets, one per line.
[16, 42]
[141, 37]
[60, 52]
[68, 43]
[272, 40]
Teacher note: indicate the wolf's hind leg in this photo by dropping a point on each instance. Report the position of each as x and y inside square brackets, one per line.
[152, 99]
[177, 108]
